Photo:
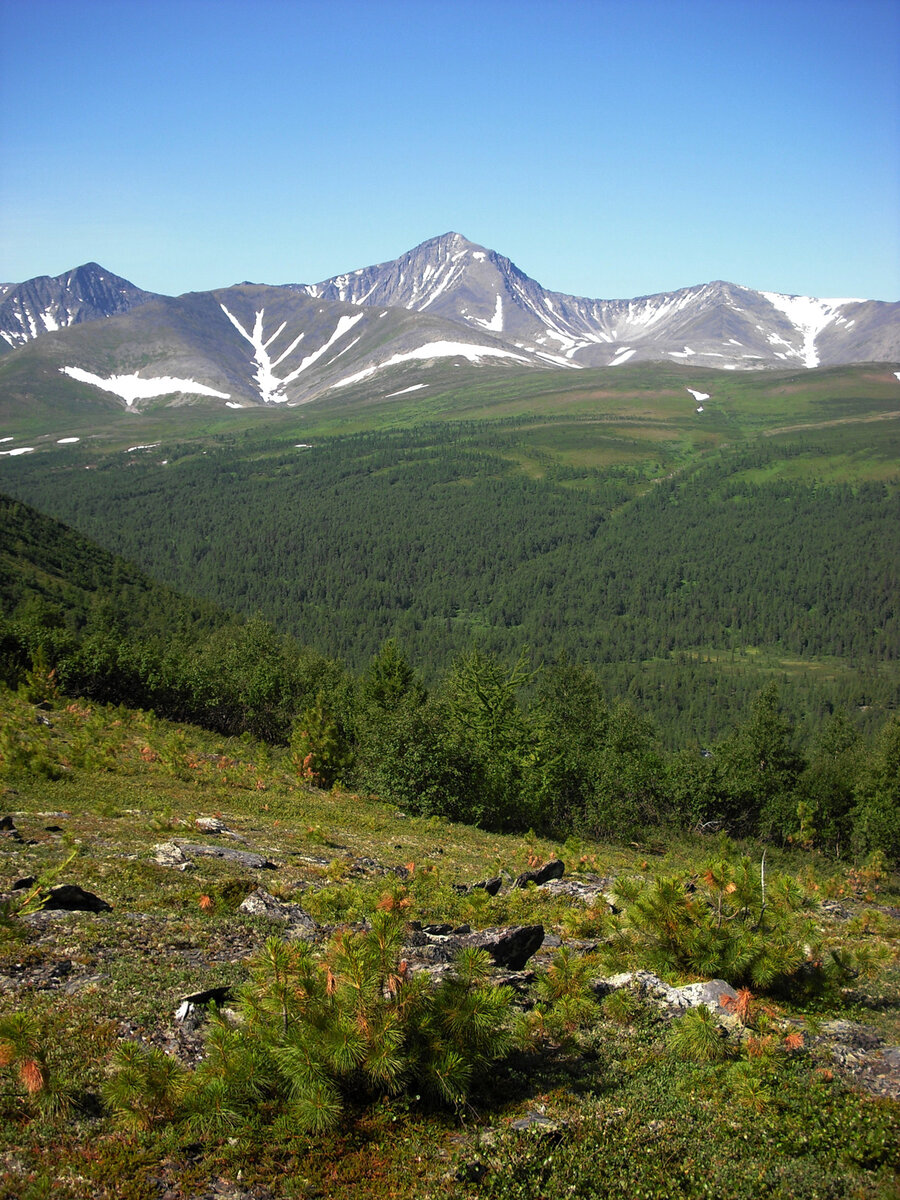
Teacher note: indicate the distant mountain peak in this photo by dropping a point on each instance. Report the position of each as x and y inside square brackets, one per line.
[49, 303]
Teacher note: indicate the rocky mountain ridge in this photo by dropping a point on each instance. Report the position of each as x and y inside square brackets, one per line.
[716, 324]
[447, 301]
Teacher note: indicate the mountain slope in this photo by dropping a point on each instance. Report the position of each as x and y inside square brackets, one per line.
[716, 324]
[90, 339]
[246, 345]
[47, 303]
[44, 562]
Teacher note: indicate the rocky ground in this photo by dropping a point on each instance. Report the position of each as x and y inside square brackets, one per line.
[74, 945]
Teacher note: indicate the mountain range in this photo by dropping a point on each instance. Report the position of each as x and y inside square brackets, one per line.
[99, 338]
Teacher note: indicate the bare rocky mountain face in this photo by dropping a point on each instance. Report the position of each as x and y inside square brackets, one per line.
[448, 301]
[48, 303]
[713, 325]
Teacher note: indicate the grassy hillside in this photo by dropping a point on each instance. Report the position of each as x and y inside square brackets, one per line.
[610, 1093]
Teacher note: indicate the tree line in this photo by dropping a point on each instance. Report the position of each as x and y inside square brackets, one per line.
[507, 746]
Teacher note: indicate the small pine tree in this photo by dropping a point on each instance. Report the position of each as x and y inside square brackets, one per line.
[698, 1037]
[145, 1086]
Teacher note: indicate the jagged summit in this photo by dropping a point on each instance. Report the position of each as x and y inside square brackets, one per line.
[48, 303]
[717, 324]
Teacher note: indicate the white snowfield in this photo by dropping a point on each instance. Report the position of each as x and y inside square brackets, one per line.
[495, 324]
[66, 441]
[416, 387]
[809, 317]
[132, 387]
[698, 396]
[432, 351]
[271, 387]
[20, 450]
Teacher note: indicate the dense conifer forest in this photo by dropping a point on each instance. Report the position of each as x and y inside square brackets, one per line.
[685, 584]
[507, 744]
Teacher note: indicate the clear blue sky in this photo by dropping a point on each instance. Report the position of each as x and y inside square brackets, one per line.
[611, 149]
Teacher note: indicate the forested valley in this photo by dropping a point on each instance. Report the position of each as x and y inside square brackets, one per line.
[506, 743]
[623, 686]
[684, 582]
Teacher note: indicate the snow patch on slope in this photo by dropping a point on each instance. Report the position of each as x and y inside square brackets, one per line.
[131, 387]
[495, 324]
[271, 387]
[416, 387]
[809, 317]
[431, 351]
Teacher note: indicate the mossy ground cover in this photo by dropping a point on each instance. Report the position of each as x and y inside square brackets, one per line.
[619, 1113]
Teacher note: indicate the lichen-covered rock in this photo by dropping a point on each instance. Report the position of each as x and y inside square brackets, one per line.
[261, 904]
[170, 854]
[716, 994]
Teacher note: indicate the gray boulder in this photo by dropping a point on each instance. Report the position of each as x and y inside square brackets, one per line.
[261, 904]
[716, 994]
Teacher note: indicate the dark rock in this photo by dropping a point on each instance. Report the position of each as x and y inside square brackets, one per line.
[216, 995]
[69, 897]
[8, 829]
[491, 886]
[509, 947]
[555, 869]
[53, 829]
[433, 930]
[26, 881]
